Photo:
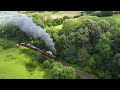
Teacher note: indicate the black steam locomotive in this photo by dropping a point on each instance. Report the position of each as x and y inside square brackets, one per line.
[46, 53]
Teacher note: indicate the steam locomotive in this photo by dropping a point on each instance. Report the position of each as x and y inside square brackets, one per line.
[46, 53]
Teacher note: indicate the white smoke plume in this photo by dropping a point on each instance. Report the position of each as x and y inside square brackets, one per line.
[28, 26]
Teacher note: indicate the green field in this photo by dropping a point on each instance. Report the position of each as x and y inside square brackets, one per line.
[61, 14]
[116, 17]
[12, 63]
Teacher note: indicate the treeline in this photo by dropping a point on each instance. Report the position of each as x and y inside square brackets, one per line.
[45, 20]
[101, 13]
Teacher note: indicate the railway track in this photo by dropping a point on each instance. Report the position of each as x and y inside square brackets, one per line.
[82, 74]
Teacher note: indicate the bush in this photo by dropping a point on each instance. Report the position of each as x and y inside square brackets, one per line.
[51, 60]
[106, 13]
[88, 69]
[30, 66]
[57, 21]
[46, 64]
[58, 71]
[77, 16]
[52, 65]
[65, 17]
[55, 72]
[68, 73]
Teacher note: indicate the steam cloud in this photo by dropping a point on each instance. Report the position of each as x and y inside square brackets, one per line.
[28, 26]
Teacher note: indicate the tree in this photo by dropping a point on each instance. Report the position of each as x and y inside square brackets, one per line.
[104, 46]
[115, 41]
[55, 72]
[82, 56]
[62, 73]
[91, 63]
[70, 54]
[116, 65]
[68, 73]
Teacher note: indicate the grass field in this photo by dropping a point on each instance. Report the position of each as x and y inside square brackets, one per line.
[116, 17]
[61, 14]
[12, 63]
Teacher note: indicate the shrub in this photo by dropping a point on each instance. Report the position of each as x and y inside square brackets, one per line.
[52, 65]
[30, 66]
[77, 16]
[65, 17]
[55, 72]
[46, 64]
[58, 71]
[68, 73]
[51, 60]
[87, 69]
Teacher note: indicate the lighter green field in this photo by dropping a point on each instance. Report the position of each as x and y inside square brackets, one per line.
[12, 63]
[116, 17]
[61, 14]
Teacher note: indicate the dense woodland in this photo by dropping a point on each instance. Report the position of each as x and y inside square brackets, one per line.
[90, 41]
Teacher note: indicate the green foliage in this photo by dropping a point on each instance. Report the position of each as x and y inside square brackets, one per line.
[57, 21]
[78, 37]
[70, 54]
[95, 13]
[106, 13]
[58, 71]
[46, 64]
[55, 72]
[91, 63]
[68, 73]
[87, 69]
[104, 45]
[77, 16]
[39, 22]
[66, 17]
[30, 66]
[82, 56]
[100, 13]
[115, 41]
[90, 42]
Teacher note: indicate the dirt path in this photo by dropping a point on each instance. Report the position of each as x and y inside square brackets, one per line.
[82, 74]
